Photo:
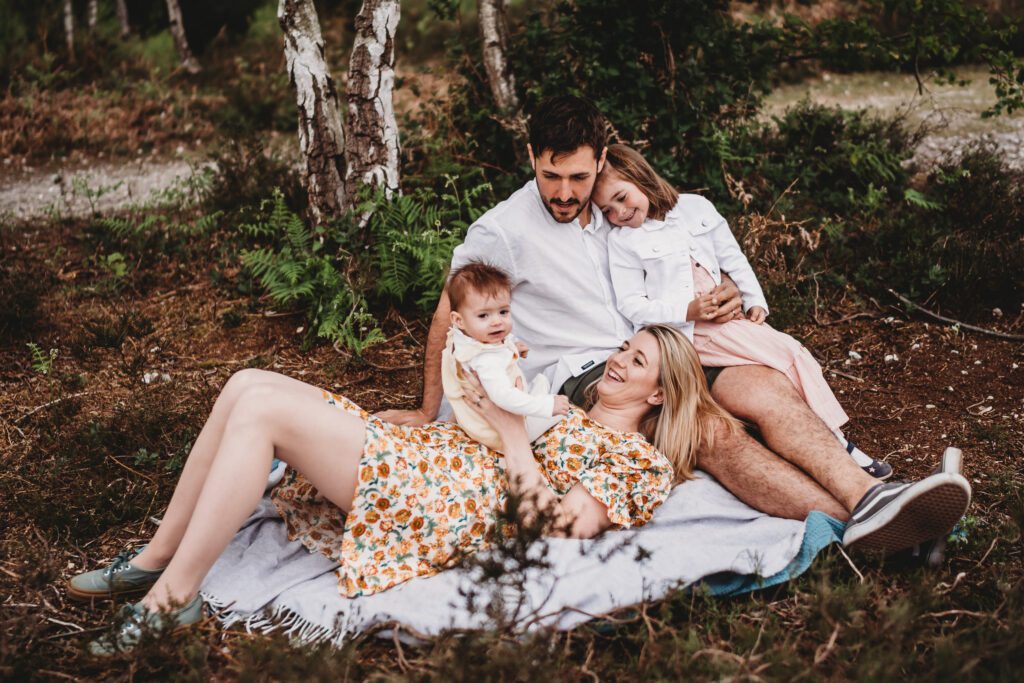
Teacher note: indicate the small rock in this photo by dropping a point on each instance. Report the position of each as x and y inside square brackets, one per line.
[929, 406]
[977, 362]
[997, 313]
[955, 351]
[298, 330]
[915, 346]
[891, 358]
[963, 372]
[150, 377]
[1015, 366]
[855, 356]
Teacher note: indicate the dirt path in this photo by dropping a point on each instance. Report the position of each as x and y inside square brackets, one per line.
[951, 114]
[80, 188]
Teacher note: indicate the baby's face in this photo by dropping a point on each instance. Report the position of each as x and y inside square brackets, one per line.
[487, 319]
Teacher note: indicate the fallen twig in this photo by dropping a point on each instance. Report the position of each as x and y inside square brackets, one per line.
[48, 404]
[852, 565]
[843, 374]
[953, 321]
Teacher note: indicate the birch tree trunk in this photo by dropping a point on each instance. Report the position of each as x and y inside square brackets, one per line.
[188, 61]
[93, 14]
[69, 29]
[321, 137]
[122, 17]
[371, 149]
[494, 37]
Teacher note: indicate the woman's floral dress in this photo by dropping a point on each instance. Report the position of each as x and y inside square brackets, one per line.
[429, 495]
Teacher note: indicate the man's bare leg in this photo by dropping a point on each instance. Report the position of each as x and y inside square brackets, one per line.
[791, 429]
[763, 480]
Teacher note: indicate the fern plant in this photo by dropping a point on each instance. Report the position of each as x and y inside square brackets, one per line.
[298, 270]
[414, 237]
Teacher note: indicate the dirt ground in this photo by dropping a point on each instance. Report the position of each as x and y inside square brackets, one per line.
[88, 447]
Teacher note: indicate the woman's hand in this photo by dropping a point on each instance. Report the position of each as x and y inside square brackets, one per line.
[508, 425]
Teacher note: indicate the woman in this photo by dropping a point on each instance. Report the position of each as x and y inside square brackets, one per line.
[390, 503]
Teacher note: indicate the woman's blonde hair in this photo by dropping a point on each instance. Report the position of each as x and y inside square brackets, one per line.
[630, 165]
[686, 420]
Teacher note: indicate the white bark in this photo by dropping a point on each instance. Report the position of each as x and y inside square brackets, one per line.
[93, 14]
[321, 136]
[372, 147]
[69, 29]
[188, 61]
[494, 37]
[122, 17]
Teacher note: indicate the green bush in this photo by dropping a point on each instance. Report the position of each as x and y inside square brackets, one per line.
[844, 163]
[964, 250]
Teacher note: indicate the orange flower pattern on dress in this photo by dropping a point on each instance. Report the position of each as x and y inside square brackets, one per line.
[427, 496]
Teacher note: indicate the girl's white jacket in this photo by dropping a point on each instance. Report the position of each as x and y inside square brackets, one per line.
[650, 265]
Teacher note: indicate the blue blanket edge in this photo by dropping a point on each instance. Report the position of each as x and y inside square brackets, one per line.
[820, 531]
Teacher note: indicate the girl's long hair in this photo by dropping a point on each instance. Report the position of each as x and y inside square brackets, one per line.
[687, 419]
[631, 166]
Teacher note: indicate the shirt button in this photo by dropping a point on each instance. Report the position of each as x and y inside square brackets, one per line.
[657, 249]
[704, 222]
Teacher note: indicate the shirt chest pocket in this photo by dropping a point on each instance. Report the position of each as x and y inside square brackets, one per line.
[657, 253]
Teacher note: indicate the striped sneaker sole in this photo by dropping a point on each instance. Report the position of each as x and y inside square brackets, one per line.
[923, 511]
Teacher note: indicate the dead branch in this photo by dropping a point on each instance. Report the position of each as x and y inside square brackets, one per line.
[974, 328]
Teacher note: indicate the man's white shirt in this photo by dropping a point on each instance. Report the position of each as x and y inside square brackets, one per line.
[563, 307]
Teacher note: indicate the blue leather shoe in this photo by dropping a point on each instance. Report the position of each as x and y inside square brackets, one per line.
[137, 619]
[118, 579]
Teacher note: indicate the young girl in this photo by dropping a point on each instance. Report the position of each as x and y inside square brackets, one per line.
[671, 254]
[480, 339]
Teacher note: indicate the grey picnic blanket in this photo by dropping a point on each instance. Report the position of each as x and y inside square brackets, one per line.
[702, 535]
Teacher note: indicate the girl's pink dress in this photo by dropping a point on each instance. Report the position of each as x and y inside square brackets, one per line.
[741, 342]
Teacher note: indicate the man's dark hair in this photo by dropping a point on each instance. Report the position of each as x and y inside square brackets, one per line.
[565, 123]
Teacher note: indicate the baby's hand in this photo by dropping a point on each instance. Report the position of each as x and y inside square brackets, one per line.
[702, 308]
[756, 314]
[522, 348]
[561, 405]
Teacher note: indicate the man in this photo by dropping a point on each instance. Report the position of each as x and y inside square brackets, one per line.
[553, 243]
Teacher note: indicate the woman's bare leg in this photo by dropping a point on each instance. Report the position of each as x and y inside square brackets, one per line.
[320, 441]
[160, 550]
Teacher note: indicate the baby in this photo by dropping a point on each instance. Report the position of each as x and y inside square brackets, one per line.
[480, 339]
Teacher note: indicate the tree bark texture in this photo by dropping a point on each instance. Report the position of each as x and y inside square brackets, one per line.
[371, 149]
[188, 61]
[494, 38]
[122, 17]
[92, 15]
[321, 136]
[69, 29]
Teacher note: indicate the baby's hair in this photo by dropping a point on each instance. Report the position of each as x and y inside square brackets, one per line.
[630, 165]
[479, 277]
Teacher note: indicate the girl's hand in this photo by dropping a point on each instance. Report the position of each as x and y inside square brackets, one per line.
[702, 308]
[522, 348]
[508, 425]
[756, 314]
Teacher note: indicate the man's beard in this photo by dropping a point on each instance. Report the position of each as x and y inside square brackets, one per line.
[549, 203]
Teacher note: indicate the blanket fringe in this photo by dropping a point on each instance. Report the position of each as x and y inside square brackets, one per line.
[295, 626]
